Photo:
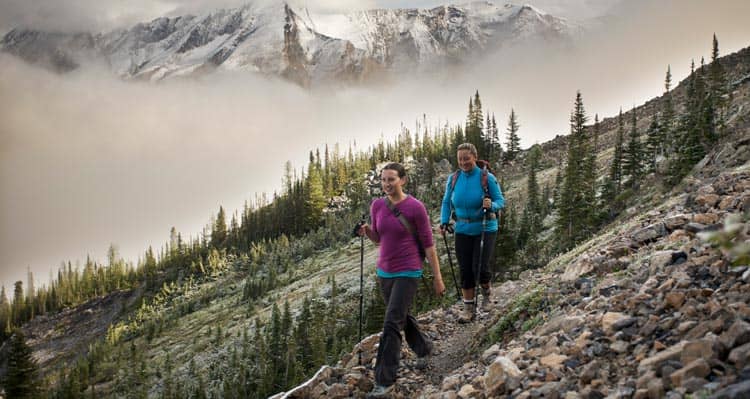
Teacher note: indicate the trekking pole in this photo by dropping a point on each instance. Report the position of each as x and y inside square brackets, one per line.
[361, 291]
[478, 270]
[450, 261]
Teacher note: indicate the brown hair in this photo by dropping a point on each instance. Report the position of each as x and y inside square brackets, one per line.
[470, 147]
[397, 167]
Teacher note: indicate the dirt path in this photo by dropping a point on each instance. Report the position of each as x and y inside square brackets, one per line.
[455, 344]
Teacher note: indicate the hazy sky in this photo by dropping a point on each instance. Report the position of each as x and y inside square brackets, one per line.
[87, 159]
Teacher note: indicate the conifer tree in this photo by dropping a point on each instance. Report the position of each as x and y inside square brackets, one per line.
[496, 149]
[572, 223]
[20, 380]
[315, 200]
[474, 124]
[219, 231]
[633, 154]
[589, 176]
[691, 130]
[668, 116]
[513, 144]
[531, 220]
[654, 144]
[303, 337]
[507, 240]
[18, 304]
[276, 352]
[718, 90]
[5, 316]
[615, 173]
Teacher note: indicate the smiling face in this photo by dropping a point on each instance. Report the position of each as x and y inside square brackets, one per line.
[466, 160]
[392, 184]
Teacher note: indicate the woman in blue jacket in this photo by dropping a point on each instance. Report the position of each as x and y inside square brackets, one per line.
[474, 204]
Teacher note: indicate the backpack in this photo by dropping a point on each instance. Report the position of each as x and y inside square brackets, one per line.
[485, 168]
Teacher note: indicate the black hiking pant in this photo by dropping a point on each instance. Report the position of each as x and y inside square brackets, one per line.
[398, 294]
[467, 253]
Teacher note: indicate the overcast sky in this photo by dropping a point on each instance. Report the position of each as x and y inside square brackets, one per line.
[103, 15]
[87, 159]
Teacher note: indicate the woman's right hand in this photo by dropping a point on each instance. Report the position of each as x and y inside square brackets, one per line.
[363, 229]
[445, 228]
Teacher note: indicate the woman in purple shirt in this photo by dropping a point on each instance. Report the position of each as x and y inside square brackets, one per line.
[399, 269]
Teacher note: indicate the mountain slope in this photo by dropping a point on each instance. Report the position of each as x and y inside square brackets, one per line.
[655, 305]
[605, 318]
[306, 48]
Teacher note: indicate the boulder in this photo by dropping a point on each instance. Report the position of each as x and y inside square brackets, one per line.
[699, 349]
[677, 221]
[698, 368]
[501, 376]
[740, 390]
[671, 353]
[649, 233]
[553, 360]
[740, 356]
[609, 320]
[738, 334]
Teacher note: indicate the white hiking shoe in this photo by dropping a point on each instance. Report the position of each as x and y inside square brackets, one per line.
[380, 391]
[486, 304]
[467, 313]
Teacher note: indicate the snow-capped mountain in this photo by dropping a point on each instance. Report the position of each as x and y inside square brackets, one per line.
[294, 43]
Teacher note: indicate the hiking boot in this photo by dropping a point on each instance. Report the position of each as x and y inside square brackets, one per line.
[380, 392]
[467, 314]
[486, 301]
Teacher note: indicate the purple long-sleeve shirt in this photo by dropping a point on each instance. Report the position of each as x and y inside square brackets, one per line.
[399, 253]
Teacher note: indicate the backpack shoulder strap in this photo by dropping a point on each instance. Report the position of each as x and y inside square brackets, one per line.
[404, 221]
[454, 179]
[400, 216]
[484, 180]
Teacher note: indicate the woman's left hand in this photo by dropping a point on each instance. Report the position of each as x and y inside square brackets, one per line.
[438, 286]
[487, 203]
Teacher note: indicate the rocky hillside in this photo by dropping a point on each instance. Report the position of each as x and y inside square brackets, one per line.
[655, 306]
[649, 309]
[307, 48]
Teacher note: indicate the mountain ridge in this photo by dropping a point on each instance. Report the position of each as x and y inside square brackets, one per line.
[303, 47]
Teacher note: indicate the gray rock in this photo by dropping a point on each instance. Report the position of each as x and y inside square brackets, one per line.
[655, 389]
[737, 391]
[659, 260]
[649, 233]
[700, 349]
[624, 323]
[653, 362]
[549, 390]
[694, 227]
[694, 384]
[740, 356]
[338, 391]
[738, 334]
[677, 221]
[698, 368]
[502, 375]
[589, 372]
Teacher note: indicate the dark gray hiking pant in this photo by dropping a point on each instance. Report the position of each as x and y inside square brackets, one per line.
[398, 294]
[467, 253]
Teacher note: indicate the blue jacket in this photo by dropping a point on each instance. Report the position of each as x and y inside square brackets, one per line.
[466, 202]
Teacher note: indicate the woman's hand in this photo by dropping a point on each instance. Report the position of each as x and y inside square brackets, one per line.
[438, 285]
[487, 203]
[363, 228]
